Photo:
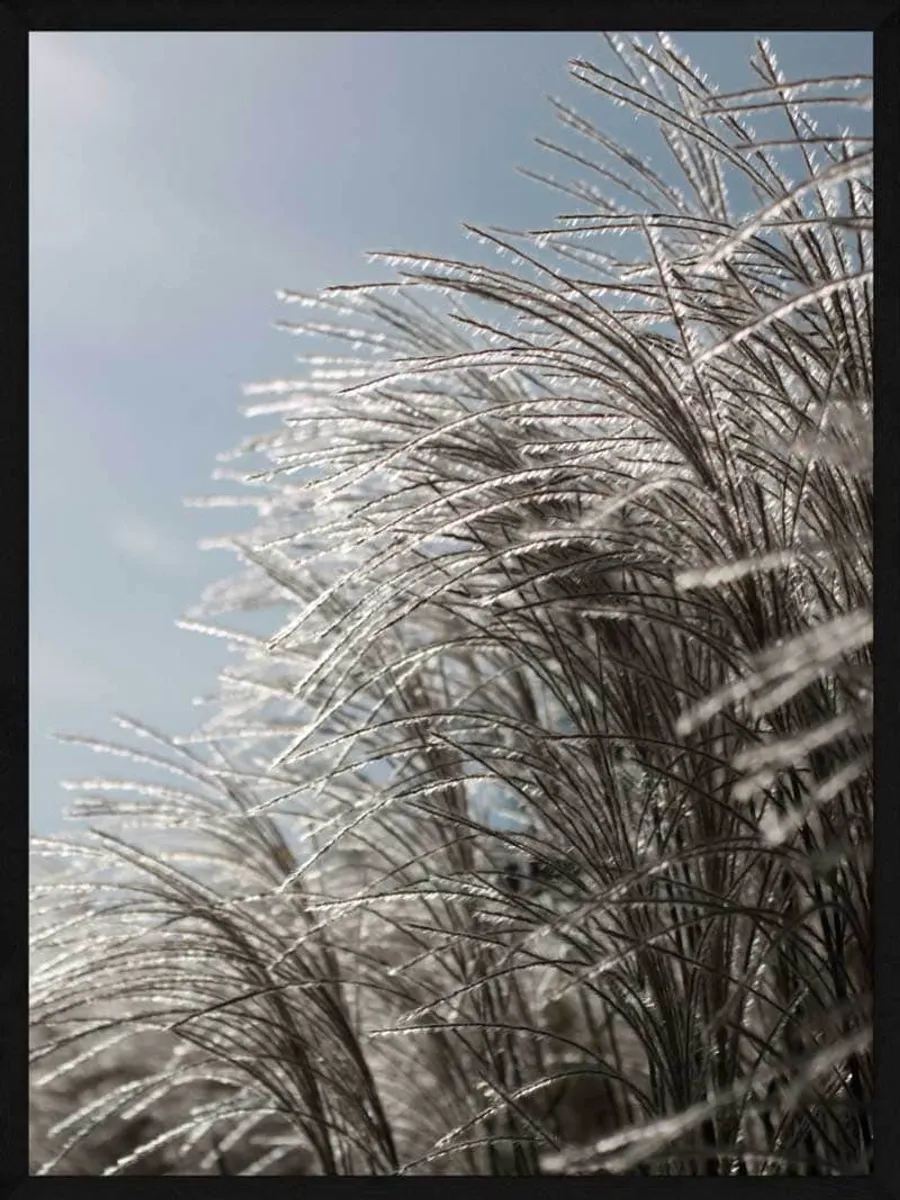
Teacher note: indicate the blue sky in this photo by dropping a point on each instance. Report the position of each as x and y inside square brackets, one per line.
[176, 181]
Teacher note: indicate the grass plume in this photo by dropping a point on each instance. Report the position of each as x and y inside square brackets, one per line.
[583, 539]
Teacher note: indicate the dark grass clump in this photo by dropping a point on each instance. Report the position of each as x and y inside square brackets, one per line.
[538, 837]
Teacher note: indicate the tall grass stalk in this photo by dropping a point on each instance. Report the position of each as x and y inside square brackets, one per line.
[584, 536]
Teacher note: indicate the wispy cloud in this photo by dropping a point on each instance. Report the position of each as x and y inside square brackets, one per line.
[70, 85]
[59, 676]
[146, 543]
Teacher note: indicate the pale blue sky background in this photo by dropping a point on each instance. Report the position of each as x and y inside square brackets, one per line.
[177, 180]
